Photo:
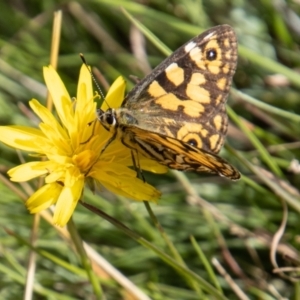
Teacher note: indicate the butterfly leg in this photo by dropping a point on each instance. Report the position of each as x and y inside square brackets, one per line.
[104, 148]
[93, 131]
[108, 142]
[136, 164]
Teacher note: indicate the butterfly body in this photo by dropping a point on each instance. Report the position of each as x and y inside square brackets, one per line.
[176, 115]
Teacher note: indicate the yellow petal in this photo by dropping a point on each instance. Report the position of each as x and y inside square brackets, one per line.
[29, 170]
[62, 145]
[116, 150]
[85, 108]
[84, 89]
[56, 176]
[121, 180]
[47, 117]
[60, 159]
[115, 94]
[59, 94]
[110, 168]
[67, 202]
[132, 188]
[22, 137]
[152, 166]
[44, 197]
[73, 175]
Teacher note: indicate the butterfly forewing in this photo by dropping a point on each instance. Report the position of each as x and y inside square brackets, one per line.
[185, 96]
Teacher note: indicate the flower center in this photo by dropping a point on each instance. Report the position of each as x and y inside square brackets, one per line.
[85, 160]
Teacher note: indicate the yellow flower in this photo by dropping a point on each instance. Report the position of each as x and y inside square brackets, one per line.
[71, 150]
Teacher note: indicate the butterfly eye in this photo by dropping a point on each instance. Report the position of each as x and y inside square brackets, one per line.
[192, 142]
[110, 119]
[211, 54]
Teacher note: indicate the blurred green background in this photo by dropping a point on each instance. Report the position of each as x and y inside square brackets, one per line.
[233, 222]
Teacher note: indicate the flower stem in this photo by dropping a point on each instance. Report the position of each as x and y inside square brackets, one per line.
[84, 259]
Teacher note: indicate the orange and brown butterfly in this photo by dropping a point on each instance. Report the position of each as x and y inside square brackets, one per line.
[176, 115]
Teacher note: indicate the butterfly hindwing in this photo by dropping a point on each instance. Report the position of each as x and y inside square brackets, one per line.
[176, 154]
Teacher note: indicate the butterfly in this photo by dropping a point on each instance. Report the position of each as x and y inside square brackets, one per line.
[176, 115]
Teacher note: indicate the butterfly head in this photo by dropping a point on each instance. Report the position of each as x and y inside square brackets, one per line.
[108, 119]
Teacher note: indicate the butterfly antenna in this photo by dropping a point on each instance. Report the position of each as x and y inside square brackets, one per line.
[93, 77]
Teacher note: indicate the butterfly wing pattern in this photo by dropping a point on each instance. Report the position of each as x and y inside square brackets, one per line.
[176, 115]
